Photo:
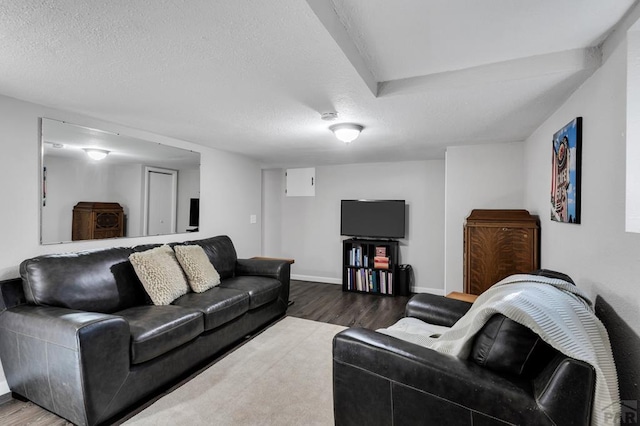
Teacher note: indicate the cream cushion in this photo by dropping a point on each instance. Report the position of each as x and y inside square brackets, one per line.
[160, 274]
[195, 263]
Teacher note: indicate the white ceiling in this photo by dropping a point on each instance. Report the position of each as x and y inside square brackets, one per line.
[254, 76]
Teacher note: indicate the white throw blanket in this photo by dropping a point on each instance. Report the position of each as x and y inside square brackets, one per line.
[557, 312]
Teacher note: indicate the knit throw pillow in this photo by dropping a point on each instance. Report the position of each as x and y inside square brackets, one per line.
[195, 263]
[160, 274]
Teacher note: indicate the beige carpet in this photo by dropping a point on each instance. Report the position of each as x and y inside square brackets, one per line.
[281, 377]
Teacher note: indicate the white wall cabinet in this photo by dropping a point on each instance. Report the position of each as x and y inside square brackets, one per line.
[300, 182]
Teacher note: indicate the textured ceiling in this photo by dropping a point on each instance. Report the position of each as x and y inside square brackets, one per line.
[254, 76]
[413, 38]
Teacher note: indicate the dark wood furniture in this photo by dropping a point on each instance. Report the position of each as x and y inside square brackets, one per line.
[499, 243]
[94, 221]
[370, 266]
[465, 297]
[288, 260]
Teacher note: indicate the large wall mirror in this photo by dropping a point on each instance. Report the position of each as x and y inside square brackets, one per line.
[137, 188]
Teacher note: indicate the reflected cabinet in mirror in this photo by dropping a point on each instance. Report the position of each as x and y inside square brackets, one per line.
[98, 184]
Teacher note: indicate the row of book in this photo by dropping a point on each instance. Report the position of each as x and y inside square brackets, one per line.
[363, 260]
[370, 281]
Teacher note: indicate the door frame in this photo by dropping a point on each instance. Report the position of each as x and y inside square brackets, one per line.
[174, 197]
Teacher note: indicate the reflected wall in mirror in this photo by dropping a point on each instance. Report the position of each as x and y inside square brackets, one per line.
[139, 188]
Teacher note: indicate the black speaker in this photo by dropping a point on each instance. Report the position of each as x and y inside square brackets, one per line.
[404, 280]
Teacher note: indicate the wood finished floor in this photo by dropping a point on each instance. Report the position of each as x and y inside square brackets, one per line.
[313, 301]
[328, 303]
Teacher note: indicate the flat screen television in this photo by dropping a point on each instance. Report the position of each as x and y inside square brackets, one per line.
[194, 212]
[372, 218]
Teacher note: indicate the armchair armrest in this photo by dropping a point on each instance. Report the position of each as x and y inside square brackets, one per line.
[67, 361]
[437, 310]
[374, 374]
[565, 389]
[12, 293]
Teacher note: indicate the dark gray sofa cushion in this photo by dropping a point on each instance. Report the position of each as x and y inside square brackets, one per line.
[98, 280]
[219, 305]
[221, 253]
[261, 290]
[156, 330]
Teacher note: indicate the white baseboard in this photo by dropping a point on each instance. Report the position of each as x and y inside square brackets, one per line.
[316, 279]
[436, 291]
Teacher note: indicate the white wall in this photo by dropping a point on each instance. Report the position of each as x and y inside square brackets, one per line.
[598, 254]
[633, 131]
[309, 227]
[272, 201]
[478, 177]
[230, 190]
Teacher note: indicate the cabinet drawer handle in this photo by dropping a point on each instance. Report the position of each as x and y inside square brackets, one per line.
[505, 229]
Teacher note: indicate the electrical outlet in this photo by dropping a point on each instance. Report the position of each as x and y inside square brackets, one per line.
[253, 218]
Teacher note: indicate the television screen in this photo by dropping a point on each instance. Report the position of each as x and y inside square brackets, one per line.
[372, 218]
[194, 212]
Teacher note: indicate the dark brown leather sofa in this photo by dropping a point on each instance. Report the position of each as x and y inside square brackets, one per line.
[80, 337]
[510, 377]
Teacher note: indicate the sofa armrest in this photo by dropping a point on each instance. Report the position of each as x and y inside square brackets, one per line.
[372, 368]
[272, 268]
[437, 310]
[68, 361]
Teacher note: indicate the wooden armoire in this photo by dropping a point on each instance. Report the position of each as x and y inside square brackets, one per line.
[94, 221]
[499, 243]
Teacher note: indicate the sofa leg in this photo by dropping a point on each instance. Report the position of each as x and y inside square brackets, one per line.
[18, 397]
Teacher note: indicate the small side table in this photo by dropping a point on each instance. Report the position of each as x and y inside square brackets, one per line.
[465, 297]
[289, 261]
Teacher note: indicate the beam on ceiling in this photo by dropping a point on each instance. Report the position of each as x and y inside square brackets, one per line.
[629, 22]
[327, 15]
[517, 69]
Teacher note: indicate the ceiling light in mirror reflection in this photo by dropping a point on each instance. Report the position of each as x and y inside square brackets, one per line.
[96, 154]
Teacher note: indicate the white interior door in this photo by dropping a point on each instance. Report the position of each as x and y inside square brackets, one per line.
[160, 201]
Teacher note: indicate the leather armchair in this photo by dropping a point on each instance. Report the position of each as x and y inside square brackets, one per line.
[382, 380]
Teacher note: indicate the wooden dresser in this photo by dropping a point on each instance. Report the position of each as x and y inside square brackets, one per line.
[498, 243]
[93, 221]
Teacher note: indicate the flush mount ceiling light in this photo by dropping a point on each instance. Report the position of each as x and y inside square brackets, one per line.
[346, 132]
[96, 154]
